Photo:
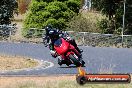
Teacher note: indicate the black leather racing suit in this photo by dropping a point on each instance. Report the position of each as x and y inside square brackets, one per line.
[54, 34]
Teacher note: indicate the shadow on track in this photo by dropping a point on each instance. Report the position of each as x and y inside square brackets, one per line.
[69, 67]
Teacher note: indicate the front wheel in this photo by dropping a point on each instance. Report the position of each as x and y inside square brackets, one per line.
[59, 62]
[75, 60]
[83, 63]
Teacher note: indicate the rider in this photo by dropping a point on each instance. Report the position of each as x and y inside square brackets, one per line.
[53, 34]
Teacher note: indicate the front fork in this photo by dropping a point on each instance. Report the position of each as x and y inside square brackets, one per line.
[78, 58]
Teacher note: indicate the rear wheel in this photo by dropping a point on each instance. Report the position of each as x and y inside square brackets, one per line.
[68, 62]
[75, 61]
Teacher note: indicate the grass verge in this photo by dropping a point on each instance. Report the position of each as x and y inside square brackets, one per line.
[16, 62]
[52, 82]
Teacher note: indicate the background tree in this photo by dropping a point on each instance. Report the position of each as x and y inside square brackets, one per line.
[6, 10]
[128, 17]
[55, 12]
[107, 7]
[113, 9]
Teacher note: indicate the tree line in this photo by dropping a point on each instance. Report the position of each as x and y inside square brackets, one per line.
[114, 10]
[55, 12]
[60, 12]
[7, 8]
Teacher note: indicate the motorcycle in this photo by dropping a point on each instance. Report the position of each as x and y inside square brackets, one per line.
[67, 54]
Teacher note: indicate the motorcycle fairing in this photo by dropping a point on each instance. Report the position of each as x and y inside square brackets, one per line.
[61, 46]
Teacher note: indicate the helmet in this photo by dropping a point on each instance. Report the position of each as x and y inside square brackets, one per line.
[48, 27]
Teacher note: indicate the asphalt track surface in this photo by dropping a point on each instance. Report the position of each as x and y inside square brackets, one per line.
[98, 60]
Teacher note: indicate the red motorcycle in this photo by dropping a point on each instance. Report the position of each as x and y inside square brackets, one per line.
[67, 53]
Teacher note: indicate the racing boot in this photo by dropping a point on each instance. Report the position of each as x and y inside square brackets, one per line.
[79, 50]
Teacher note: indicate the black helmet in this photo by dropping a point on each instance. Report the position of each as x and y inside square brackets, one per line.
[48, 27]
